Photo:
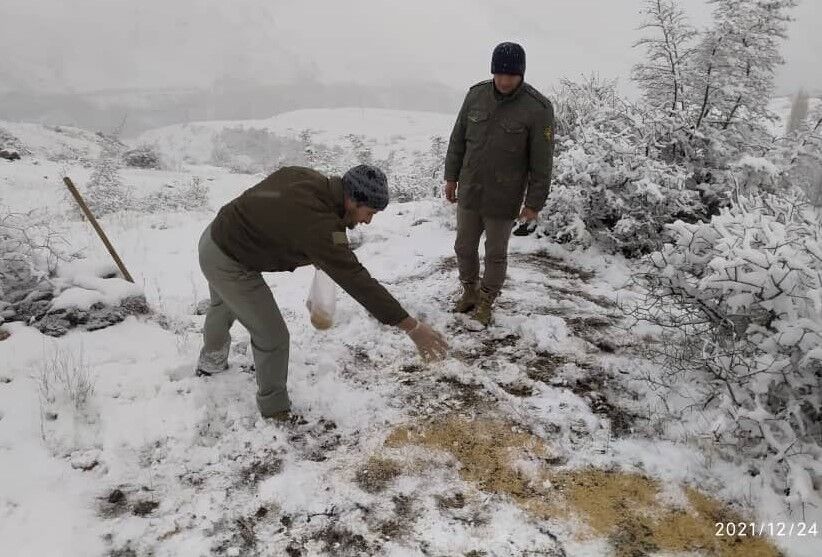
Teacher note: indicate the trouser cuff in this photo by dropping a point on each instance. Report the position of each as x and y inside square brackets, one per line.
[273, 402]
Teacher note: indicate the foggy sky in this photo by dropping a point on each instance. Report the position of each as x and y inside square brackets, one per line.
[87, 45]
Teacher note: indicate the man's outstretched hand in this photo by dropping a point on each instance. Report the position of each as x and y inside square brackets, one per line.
[431, 345]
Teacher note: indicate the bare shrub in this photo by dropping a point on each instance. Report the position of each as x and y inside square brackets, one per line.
[65, 377]
[29, 249]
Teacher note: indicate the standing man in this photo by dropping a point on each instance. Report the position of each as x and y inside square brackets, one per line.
[294, 217]
[501, 152]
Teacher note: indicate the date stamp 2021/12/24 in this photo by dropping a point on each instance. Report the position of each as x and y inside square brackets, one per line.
[769, 529]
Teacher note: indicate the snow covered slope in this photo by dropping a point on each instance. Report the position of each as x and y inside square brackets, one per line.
[385, 130]
[50, 142]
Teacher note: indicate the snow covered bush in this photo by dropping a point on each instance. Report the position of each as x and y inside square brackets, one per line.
[11, 143]
[756, 174]
[613, 181]
[319, 156]
[360, 149]
[418, 176]
[411, 176]
[564, 222]
[740, 299]
[252, 150]
[143, 156]
[29, 250]
[189, 196]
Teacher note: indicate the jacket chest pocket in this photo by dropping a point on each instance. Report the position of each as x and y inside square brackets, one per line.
[476, 125]
[513, 136]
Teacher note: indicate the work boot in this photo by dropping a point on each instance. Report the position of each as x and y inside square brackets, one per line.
[281, 416]
[469, 298]
[483, 313]
[287, 417]
[208, 371]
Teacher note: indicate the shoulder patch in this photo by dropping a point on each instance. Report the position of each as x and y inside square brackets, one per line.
[537, 95]
[480, 84]
[339, 238]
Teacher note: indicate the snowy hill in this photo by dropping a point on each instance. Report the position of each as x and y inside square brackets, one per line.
[384, 130]
[50, 142]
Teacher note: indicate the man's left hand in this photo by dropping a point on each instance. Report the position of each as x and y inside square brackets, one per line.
[528, 215]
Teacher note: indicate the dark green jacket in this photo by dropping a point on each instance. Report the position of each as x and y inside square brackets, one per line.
[502, 150]
[294, 218]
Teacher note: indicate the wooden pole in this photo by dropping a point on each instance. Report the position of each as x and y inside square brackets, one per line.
[96, 225]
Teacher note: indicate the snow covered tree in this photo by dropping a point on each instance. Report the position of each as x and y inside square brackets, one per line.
[433, 164]
[731, 75]
[706, 104]
[668, 48]
[799, 112]
[105, 193]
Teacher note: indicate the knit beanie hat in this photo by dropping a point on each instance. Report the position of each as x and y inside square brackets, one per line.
[508, 58]
[367, 184]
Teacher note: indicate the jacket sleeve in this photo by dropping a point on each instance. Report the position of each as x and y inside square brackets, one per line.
[541, 158]
[456, 145]
[329, 250]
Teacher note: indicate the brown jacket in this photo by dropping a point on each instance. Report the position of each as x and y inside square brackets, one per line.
[502, 150]
[294, 218]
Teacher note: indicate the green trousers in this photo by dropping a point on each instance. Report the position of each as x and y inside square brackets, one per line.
[240, 294]
[470, 226]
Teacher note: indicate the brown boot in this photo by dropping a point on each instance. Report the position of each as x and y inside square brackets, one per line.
[483, 314]
[469, 298]
[287, 417]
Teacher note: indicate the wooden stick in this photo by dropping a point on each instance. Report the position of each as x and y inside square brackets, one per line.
[96, 225]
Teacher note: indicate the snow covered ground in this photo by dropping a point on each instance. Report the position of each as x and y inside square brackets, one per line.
[533, 438]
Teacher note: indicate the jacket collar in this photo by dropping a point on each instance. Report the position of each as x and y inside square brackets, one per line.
[498, 97]
[337, 194]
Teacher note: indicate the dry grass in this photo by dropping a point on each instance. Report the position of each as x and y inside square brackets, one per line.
[377, 474]
[622, 507]
[484, 448]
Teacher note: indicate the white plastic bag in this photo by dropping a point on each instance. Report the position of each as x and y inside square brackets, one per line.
[322, 300]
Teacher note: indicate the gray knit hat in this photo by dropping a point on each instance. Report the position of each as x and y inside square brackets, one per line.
[367, 184]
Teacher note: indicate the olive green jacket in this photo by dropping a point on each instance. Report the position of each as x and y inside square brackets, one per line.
[501, 150]
[294, 218]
